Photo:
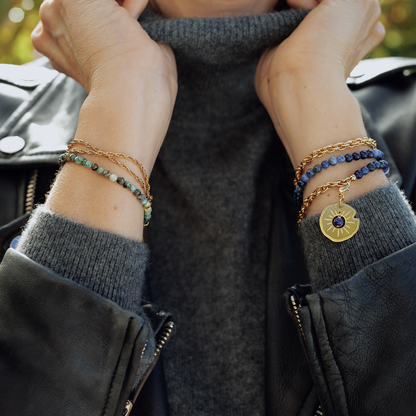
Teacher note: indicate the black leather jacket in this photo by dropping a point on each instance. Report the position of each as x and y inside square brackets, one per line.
[351, 350]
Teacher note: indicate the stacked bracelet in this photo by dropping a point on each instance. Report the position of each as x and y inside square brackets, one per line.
[147, 205]
[310, 173]
[337, 221]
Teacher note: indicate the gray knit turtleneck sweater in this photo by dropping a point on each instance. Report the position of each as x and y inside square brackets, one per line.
[208, 239]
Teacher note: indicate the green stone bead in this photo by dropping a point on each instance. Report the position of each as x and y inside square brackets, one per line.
[136, 193]
[133, 188]
[106, 174]
[94, 166]
[78, 160]
[88, 164]
[127, 184]
[83, 161]
[100, 171]
[120, 180]
[73, 156]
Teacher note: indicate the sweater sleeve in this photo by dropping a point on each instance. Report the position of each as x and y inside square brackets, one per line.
[105, 263]
[387, 225]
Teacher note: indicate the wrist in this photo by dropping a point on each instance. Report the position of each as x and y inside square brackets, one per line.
[314, 112]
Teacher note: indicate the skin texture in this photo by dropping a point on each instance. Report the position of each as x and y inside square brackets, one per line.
[132, 87]
[211, 8]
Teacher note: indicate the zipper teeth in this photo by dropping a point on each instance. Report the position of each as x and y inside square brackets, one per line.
[295, 308]
[296, 312]
[164, 338]
[30, 192]
[319, 411]
[166, 333]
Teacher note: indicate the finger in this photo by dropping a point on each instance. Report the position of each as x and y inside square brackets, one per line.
[57, 67]
[302, 4]
[45, 44]
[373, 40]
[134, 7]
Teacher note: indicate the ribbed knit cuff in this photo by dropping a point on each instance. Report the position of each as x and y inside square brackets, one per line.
[387, 225]
[105, 263]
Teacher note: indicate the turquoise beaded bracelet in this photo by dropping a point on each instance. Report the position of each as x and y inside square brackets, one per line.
[147, 205]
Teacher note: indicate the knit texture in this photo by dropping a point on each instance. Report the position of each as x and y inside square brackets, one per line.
[213, 184]
[63, 245]
[330, 263]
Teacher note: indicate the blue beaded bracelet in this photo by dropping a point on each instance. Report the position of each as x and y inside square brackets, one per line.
[147, 205]
[365, 154]
[372, 166]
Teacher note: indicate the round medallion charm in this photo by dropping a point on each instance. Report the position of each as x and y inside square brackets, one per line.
[338, 223]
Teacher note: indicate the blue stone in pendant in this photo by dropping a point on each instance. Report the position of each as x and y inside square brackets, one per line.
[338, 222]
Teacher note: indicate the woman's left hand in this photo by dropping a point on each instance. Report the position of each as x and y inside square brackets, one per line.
[304, 77]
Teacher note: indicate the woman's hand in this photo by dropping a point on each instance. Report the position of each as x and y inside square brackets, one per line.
[132, 86]
[95, 41]
[301, 82]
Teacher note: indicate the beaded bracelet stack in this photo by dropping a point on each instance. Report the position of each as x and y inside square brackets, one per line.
[143, 197]
[337, 221]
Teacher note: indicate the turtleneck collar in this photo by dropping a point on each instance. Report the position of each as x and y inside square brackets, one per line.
[221, 40]
[216, 60]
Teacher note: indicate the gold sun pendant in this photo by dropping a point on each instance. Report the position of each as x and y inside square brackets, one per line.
[338, 223]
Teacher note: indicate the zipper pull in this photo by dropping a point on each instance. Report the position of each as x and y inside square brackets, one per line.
[128, 408]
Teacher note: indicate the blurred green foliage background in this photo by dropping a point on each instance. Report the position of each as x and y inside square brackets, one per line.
[19, 17]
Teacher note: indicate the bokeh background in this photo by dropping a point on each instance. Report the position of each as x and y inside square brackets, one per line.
[19, 17]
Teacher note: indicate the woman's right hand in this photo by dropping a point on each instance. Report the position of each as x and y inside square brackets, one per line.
[94, 41]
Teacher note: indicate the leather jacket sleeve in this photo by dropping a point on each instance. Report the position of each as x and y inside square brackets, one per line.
[359, 338]
[68, 350]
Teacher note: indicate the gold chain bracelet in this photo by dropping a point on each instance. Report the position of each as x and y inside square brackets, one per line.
[112, 157]
[329, 149]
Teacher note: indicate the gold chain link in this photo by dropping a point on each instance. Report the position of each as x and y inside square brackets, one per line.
[322, 189]
[112, 157]
[329, 149]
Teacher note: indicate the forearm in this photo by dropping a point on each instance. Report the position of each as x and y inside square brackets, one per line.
[318, 111]
[114, 119]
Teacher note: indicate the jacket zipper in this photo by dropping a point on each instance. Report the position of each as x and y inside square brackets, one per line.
[30, 192]
[165, 334]
[295, 308]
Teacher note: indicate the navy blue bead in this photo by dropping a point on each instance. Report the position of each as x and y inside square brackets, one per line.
[317, 168]
[380, 155]
[305, 178]
[333, 161]
[298, 189]
[377, 164]
[297, 196]
[341, 159]
[358, 174]
[364, 154]
[371, 167]
[325, 164]
[348, 157]
[338, 222]
[310, 173]
[370, 154]
[301, 184]
[365, 170]
[356, 156]
[386, 169]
